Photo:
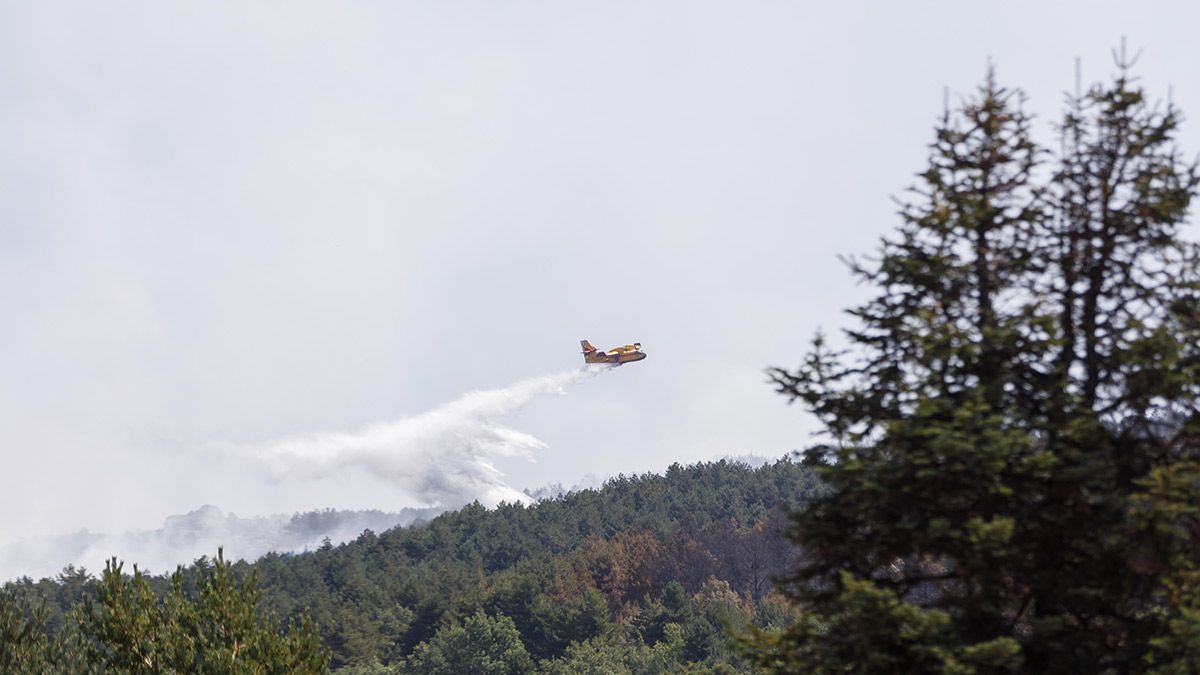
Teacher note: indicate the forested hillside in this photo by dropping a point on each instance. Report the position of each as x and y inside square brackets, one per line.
[645, 574]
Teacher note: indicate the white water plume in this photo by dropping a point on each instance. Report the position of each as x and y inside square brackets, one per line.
[443, 456]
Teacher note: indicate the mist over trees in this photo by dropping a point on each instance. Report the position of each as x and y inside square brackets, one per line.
[1014, 437]
[185, 537]
[645, 574]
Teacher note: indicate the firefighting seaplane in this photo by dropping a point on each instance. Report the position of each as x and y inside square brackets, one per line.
[615, 356]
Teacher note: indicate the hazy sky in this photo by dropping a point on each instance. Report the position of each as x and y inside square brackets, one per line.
[229, 223]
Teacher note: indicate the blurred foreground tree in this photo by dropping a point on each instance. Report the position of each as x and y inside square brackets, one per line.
[1014, 465]
[129, 630]
[26, 645]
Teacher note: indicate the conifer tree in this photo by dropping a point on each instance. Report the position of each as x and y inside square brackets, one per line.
[130, 630]
[25, 645]
[1013, 460]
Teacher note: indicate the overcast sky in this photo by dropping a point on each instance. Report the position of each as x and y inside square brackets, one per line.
[227, 223]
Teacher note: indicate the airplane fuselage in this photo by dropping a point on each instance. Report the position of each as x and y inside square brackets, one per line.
[615, 356]
[618, 359]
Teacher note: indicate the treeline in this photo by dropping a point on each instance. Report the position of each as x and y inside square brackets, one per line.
[646, 574]
[121, 625]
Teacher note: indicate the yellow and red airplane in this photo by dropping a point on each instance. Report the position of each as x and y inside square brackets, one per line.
[616, 355]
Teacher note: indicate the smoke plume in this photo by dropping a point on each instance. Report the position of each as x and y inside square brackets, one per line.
[442, 457]
[185, 537]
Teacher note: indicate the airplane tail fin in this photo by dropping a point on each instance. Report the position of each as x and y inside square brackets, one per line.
[587, 346]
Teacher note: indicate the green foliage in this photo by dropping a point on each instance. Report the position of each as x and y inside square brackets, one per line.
[550, 568]
[551, 605]
[1012, 473]
[24, 644]
[902, 637]
[1168, 508]
[130, 630]
[125, 624]
[563, 621]
[370, 666]
[593, 657]
[608, 656]
[481, 644]
[29, 644]
[642, 575]
[715, 608]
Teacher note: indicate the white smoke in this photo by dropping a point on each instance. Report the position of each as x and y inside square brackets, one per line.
[184, 538]
[443, 456]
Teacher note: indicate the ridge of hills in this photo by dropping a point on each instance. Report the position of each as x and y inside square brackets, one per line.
[643, 574]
